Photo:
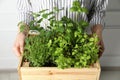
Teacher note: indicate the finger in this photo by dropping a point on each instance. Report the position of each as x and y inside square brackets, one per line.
[16, 50]
[21, 49]
[101, 50]
[102, 46]
[22, 46]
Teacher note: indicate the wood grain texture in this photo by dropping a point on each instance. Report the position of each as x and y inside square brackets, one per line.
[53, 73]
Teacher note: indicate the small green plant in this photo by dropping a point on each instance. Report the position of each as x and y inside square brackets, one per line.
[64, 43]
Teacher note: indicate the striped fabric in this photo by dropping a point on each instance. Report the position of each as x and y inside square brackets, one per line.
[96, 9]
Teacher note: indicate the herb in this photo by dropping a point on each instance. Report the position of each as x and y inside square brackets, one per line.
[64, 43]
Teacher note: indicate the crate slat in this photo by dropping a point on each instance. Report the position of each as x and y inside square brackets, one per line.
[54, 73]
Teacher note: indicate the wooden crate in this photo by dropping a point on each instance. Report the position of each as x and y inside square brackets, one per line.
[53, 73]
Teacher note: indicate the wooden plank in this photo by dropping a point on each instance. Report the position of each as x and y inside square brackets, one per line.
[53, 73]
[62, 77]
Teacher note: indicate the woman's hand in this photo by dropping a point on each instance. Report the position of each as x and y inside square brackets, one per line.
[97, 29]
[101, 44]
[19, 44]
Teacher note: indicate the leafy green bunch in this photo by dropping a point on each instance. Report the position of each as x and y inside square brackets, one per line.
[64, 43]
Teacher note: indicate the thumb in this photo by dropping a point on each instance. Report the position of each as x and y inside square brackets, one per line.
[22, 47]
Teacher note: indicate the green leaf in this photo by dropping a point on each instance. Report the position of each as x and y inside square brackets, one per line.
[68, 30]
[88, 57]
[73, 9]
[40, 20]
[73, 53]
[22, 28]
[79, 10]
[50, 13]
[49, 43]
[43, 11]
[91, 39]
[76, 46]
[60, 23]
[31, 24]
[76, 34]
[51, 18]
[70, 24]
[76, 3]
[45, 15]
[84, 23]
[60, 29]
[35, 15]
[84, 10]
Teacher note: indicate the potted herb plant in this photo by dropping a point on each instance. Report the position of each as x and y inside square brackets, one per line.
[61, 51]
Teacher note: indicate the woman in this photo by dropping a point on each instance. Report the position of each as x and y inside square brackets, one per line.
[95, 17]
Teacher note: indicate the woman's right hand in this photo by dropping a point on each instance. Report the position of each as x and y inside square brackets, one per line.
[18, 46]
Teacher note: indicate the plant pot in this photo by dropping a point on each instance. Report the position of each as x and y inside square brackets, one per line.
[54, 73]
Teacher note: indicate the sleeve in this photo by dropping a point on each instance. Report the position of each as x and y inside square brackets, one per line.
[97, 14]
[24, 11]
